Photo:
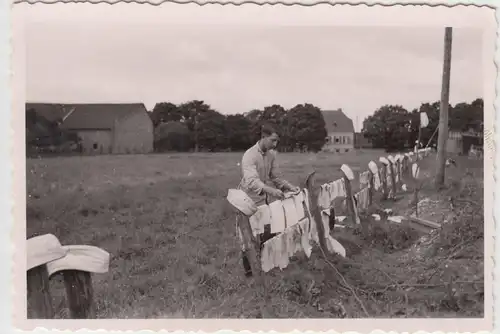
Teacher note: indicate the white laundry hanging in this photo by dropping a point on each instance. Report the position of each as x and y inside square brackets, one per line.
[260, 218]
[291, 216]
[277, 216]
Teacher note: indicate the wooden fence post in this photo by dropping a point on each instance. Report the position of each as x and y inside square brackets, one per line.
[393, 176]
[40, 250]
[79, 293]
[316, 211]
[39, 298]
[371, 189]
[46, 257]
[251, 245]
[398, 168]
[383, 176]
[348, 177]
[373, 168]
[405, 166]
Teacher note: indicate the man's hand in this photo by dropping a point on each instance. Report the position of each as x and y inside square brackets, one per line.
[275, 193]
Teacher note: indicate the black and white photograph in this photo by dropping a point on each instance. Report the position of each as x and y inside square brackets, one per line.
[256, 162]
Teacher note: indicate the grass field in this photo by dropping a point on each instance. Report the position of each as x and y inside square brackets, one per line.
[170, 232]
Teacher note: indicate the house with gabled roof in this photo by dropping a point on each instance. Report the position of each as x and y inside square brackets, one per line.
[103, 128]
[340, 129]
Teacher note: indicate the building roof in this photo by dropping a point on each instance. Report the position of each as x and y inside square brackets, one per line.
[337, 121]
[50, 111]
[97, 116]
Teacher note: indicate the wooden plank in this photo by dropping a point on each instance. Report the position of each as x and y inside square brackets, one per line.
[316, 211]
[406, 168]
[39, 298]
[350, 200]
[79, 294]
[424, 222]
[383, 179]
[371, 189]
[393, 179]
[398, 169]
[418, 227]
[252, 245]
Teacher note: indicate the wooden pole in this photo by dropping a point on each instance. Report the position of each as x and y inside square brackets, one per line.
[443, 112]
[371, 189]
[350, 201]
[79, 293]
[415, 199]
[383, 179]
[398, 171]
[316, 211]
[252, 246]
[393, 179]
[39, 298]
[418, 141]
[406, 167]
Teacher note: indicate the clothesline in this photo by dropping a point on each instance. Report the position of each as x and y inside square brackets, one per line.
[292, 222]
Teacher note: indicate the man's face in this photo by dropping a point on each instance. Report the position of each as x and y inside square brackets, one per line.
[270, 142]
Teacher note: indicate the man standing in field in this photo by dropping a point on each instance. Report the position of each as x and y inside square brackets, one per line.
[260, 179]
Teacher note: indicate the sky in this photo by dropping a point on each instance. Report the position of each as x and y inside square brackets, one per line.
[81, 53]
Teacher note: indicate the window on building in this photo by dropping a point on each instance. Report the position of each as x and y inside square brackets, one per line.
[346, 150]
[95, 146]
[337, 140]
[337, 150]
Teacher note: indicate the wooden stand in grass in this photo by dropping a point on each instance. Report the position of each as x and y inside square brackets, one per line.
[393, 177]
[316, 211]
[406, 169]
[251, 245]
[398, 169]
[39, 298]
[383, 177]
[348, 177]
[79, 293]
[371, 189]
[46, 257]
[374, 172]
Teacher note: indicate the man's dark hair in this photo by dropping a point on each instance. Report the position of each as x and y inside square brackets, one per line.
[268, 129]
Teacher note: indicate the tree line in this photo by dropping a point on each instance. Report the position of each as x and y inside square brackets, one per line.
[196, 126]
[392, 127]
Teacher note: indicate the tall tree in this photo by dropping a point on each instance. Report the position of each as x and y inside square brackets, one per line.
[238, 132]
[306, 127]
[273, 114]
[389, 127]
[465, 116]
[165, 112]
[193, 113]
[172, 136]
[211, 131]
